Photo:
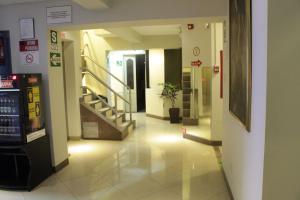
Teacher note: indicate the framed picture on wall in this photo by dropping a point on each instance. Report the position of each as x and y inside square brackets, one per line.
[240, 87]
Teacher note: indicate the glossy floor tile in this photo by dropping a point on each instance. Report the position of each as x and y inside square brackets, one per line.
[153, 163]
[203, 130]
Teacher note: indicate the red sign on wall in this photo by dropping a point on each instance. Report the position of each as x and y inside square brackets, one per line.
[216, 69]
[29, 45]
[196, 63]
[29, 52]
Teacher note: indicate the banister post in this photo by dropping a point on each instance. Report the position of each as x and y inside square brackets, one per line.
[130, 111]
[116, 109]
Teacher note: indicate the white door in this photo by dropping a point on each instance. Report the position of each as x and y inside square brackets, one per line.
[130, 80]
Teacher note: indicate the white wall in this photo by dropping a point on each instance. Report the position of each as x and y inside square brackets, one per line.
[131, 10]
[155, 104]
[57, 110]
[148, 42]
[200, 37]
[95, 48]
[72, 79]
[217, 101]
[282, 163]
[243, 152]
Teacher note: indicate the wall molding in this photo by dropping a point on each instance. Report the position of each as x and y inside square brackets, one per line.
[157, 117]
[60, 166]
[219, 158]
[201, 140]
[74, 138]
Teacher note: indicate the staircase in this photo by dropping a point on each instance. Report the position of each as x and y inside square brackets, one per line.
[101, 119]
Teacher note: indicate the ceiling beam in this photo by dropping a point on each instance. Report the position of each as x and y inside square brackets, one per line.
[126, 34]
[94, 4]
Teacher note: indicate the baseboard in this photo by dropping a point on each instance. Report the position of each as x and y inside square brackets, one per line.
[190, 122]
[219, 158]
[74, 138]
[60, 166]
[202, 140]
[157, 117]
[227, 184]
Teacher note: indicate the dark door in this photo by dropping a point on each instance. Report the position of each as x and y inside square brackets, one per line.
[140, 83]
[5, 57]
[173, 66]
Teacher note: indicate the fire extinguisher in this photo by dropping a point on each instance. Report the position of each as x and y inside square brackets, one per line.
[2, 56]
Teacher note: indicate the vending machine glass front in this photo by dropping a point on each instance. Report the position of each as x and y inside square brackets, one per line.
[10, 117]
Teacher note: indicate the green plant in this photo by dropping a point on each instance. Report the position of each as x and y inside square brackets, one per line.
[169, 92]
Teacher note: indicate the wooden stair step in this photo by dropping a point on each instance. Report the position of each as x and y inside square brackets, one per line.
[93, 102]
[119, 115]
[103, 110]
[125, 124]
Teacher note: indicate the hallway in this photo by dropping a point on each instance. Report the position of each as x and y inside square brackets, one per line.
[153, 163]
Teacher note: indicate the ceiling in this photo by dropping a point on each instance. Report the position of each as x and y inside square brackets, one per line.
[157, 30]
[88, 4]
[136, 34]
[140, 31]
[7, 2]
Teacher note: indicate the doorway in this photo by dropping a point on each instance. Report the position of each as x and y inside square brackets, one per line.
[130, 67]
[71, 96]
[135, 69]
[140, 83]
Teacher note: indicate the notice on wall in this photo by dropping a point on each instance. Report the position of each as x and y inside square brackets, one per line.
[29, 52]
[27, 28]
[59, 14]
[34, 111]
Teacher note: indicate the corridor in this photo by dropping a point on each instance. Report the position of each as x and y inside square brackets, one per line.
[153, 163]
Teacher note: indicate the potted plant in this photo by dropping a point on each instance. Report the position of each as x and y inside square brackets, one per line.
[170, 92]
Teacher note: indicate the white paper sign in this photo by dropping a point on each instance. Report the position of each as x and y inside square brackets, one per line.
[27, 28]
[30, 58]
[61, 14]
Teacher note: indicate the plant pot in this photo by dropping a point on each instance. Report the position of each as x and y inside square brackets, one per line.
[174, 115]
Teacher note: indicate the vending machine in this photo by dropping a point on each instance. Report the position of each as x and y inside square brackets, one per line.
[25, 153]
[21, 109]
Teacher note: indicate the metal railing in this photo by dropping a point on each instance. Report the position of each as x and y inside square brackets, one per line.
[87, 71]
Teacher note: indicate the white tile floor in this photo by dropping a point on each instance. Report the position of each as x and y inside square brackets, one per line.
[154, 163]
[203, 130]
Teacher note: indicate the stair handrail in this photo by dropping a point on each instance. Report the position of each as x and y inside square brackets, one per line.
[99, 98]
[107, 86]
[108, 72]
[89, 72]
